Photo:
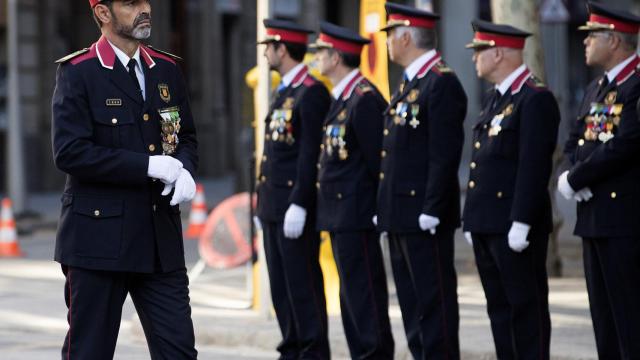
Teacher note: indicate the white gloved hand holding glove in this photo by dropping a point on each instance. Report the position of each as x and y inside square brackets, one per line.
[583, 195]
[164, 168]
[467, 236]
[185, 188]
[518, 236]
[294, 220]
[428, 222]
[563, 186]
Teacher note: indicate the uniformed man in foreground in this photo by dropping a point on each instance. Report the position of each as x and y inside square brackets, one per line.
[124, 135]
[287, 194]
[347, 183]
[507, 214]
[419, 195]
[603, 152]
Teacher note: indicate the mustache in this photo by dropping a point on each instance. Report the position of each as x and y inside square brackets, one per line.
[140, 18]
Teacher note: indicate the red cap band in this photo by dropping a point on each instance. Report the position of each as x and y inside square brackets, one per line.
[618, 25]
[288, 35]
[414, 21]
[93, 3]
[342, 45]
[501, 40]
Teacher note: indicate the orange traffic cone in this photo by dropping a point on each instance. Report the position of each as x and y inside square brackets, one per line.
[8, 236]
[198, 215]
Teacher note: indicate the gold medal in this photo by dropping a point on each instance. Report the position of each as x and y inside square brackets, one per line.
[343, 153]
[343, 115]
[610, 98]
[414, 123]
[288, 103]
[508, 110]
[413, 95]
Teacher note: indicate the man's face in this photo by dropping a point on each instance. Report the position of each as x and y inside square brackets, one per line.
[393, 44]
[324, 61]
[271, 52]
[132, 18]
[596, 47]
[484, 60]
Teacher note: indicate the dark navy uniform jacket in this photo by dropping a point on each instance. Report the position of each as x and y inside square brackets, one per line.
[513, 144]
[113, 216]
[421, 148]
[609, 164]
[350, 158]
[293, 132]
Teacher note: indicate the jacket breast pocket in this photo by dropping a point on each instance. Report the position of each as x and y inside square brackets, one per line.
[98, 226]
[113, 127]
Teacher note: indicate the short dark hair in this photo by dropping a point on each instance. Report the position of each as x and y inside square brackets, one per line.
[107, 3]
[296, 51]
[349, 60]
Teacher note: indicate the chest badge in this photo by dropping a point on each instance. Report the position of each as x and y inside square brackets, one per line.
[165, 95]
[288, 103]
[113, 102]
[413, 95]
[342, 115]
[610, 99]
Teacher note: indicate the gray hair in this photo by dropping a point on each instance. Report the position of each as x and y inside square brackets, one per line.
[422, 38]
[629, 40]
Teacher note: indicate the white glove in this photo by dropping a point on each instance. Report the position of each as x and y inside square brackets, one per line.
[518, 236]
[294, 220]
[256, 223]
[467, 236]
[164, 168]
[375, 220]
[428, 222]
[185, 188]
[563, 186]
[583, 195]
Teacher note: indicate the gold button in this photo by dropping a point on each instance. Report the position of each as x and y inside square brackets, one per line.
[114, 121]
[263, 178]
[477, 145]
[499, 194]
[383, 153]
[581, 142]
[267, 137]
[290, 183]
[386, 132]
[321, 146]
[614, 195]
[413, 193]
[339, 195]
[152, 148]
[485, 126]
[472, 165]
[392, 111]
[381, 176]
[264, 157]
[145, 117]
[317, 185]
[96, 213]
[324, 128]
[472, 184]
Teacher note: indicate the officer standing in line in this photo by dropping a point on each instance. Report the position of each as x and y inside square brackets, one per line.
[287, 194]
[347, 183]
[603, 151]
[121, 122]
[507, 214]
[418, 200]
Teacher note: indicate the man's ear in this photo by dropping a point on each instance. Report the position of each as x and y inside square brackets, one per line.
[103, 13]
[498, 54]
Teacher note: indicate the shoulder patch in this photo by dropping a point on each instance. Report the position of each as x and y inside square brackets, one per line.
[162, 52]
[72, 55]
[536, 83]
[443, 68]
[363, 88]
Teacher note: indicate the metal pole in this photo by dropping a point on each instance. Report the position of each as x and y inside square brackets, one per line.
[15, 159]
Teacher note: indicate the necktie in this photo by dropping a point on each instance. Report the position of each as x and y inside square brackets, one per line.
[496, 99]
[603, 84]
[132, 72]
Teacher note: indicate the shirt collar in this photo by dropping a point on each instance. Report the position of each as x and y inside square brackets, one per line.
[504, 86]
[339, 88]
[415, 66]
[611, 74]
[288, 77]
[124, 58]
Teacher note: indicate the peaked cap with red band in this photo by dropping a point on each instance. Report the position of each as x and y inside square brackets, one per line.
[402, 15]
[93, 3]
[285, 31]
[606, 18]
[488, 34]
[339, 38]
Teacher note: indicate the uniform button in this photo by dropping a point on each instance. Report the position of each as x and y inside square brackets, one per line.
[392, 111]
[485, 126]
[499, 194]
[317, 185]
[263, 178]
[614, 195]
[114, 121]
[267, 137]
[264, 157]
[318, 166]
[413, 193]
[473, 165]
[386, 132]
[152, 148]
[381, 176]
[290, 183]
[145, 117]
[321, 146]
[581, 142]
[477, 145]
[96, 213]
[339, 195]
[472, 184]
[383, 153]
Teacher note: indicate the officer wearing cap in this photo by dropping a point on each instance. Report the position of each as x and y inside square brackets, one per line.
[287, 194]
[603, 177]
[507, 213]
[124, 135]
[418, 201]
[347, 183]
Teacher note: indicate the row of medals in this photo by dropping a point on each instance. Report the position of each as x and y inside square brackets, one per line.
[603, 119]
[334, 138]
[280, 126]
[403, 109]
[496, 122]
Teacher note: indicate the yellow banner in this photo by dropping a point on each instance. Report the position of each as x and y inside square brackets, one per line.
[374, 56]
